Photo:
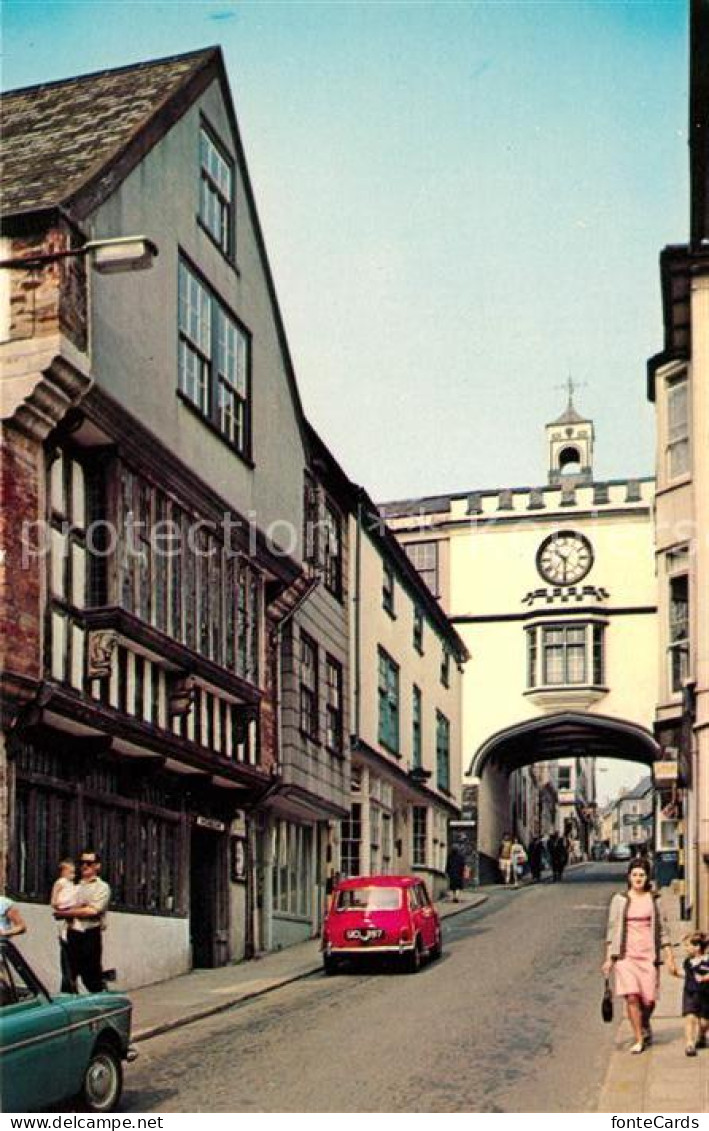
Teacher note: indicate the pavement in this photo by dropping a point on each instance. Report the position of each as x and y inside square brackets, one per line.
[202, 993]
[662, 1079]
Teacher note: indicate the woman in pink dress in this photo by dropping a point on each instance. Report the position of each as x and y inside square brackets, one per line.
[636, 938]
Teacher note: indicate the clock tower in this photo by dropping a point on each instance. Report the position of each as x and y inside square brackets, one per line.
[569, 441]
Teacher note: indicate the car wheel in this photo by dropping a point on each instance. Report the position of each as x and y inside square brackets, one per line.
[413, 959]
[329, 964]
[103, 1080]
[437, 948]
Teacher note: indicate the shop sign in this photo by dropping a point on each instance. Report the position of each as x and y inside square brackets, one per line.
[210, 823]
[665, 771]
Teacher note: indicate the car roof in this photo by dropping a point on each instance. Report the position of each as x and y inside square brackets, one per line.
[378, 882]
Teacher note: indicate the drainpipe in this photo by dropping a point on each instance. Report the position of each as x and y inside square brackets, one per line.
[357, 601]
[276, 786]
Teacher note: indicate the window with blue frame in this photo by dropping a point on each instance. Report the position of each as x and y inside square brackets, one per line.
[388, 702]
[443, 773]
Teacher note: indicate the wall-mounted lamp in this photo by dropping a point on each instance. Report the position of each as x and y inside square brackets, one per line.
[108, 256]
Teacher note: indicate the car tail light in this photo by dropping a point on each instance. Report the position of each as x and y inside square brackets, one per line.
[405, 935]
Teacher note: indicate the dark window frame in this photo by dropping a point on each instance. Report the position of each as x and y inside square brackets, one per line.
[443, 769]
[208, 406]
[389, 699]
[418, 630]
[388, 589]
[334, 706]
[678, 630]
[332, 550]
[540, 647]
[431, 545]
[227, 245]
[309, 693]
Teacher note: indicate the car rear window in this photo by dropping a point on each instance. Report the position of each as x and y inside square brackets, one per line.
[369, 899]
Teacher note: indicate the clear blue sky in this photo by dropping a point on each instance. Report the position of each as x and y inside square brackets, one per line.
[463, 202]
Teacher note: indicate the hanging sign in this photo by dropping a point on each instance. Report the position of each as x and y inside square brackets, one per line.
[210, 823]
[665, 771]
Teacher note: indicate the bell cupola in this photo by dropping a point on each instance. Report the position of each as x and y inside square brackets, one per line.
[570, 446]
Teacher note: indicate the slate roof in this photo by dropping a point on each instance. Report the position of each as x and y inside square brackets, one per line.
[60, 137]
[640, 790]
[570, 416]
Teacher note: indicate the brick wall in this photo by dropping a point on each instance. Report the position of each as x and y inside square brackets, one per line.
[50, 298]
[21, 572]
[268, 718]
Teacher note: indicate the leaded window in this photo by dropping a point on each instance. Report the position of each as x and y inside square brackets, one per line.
[677, 426]
[420, 836]
[69, 568]
[564, 654]
[333, 551]
[334, 736]
[424, 558]
[561, 655]
[309, 687]
[679, 631]
[292, 853]
[213, 360]
[216, 191]
[176, 573]
[351, 843]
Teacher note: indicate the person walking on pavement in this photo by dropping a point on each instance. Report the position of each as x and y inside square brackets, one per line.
[505, 860]
[11, 922]
[455, 870]
[519, 859]
[536, 850]
[86, 920]
[636, 938]
[559, 856]
[695, 996]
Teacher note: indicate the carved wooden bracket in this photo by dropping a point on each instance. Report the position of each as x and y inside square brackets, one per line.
[181, 694]
[101, 646]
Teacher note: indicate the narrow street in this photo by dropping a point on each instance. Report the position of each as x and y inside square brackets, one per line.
[507, 1021]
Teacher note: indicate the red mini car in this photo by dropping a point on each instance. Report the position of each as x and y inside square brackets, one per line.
[381, 915]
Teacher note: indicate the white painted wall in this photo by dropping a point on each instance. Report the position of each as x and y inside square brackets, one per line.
[141, 948]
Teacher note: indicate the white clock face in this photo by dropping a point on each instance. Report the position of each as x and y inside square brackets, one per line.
[564, 558]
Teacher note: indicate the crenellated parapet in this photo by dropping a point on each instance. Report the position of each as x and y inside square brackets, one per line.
[515, 503]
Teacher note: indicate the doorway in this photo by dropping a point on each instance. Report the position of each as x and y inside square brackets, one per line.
[208, 904]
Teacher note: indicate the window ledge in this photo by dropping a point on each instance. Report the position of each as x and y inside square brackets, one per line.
[560, 698]
[226, 255]
[313, 740]
[390, 750]
[185, 400]
[669, 485]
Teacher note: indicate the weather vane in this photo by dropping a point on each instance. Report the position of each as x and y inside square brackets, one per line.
[571, 386]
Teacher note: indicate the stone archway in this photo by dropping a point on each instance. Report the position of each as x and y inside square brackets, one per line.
[543, 739]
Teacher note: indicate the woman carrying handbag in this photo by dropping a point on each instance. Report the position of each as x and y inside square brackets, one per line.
[636, 938]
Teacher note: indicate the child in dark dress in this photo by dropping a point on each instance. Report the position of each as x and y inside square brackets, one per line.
[695, 999]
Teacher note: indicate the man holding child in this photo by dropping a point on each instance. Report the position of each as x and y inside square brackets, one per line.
[85, 920]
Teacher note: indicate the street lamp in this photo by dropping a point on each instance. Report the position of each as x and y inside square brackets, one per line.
[109, 256]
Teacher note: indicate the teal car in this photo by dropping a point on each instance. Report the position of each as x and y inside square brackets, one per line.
[53, 1049]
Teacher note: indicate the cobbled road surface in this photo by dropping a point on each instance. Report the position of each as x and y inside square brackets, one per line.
[507, 1021]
